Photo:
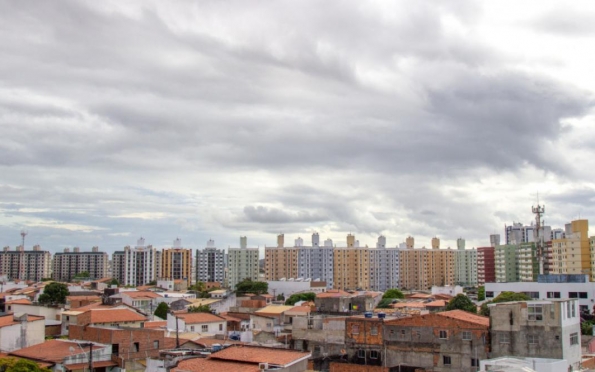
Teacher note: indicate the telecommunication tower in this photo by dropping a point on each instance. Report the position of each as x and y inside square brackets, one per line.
[23, 234]
[539, 211]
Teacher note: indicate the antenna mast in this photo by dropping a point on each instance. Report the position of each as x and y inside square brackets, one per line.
[539, 211]
[23, 234]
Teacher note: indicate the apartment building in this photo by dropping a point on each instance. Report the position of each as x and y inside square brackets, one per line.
[465, 265]
[486, 272]
[66, 265]
[572, 254]
[506, 263]
[528, 262]
[351, 266]
[137, 266]
[210, 264]
[385, 265]
[176, 263]
[25, 265]
[242, 263]
[281, 262]
[537, 329]
[422, 268]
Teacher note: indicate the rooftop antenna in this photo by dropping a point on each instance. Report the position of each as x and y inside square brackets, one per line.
[23, 234]
[539, 211]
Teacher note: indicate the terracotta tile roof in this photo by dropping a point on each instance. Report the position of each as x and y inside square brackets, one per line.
[254, 354]
[140, 294]
[468, 317]
[419, 295]
[400, 305]
[20, 301]
[230, 318]
[193, 318]
[83, 298]
[437, 303]
[156, 324]
[210, 365]
[94, 305]
[334, 293]
[82, 366]
[51, 351]
[99, 316]
[273, 310]
[208, 341]
[8, 320]
[144, 287]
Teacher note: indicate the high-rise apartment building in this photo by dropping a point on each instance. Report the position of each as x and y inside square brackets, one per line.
[572, 254]
[351, 266]
[486, 271]
[176, 263]
[242, 263]
[210, 264]
[25, 265]
[465, 265]
[422, 268]
[528, 262]
[281, 262]
[506, 263]
[67, 264]
[385, 265]
[137, 266]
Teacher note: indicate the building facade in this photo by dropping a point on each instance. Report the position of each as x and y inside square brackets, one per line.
[66, 265]
[242, 263]
[210, 264]
[140, 265]
[486, 272]
[465, 265]
[25, 265]
[422, 268]
[176, 263]
[385, 265]
[572, 254]
[506, 263]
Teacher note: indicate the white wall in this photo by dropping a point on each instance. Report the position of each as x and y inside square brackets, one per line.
[10, 336]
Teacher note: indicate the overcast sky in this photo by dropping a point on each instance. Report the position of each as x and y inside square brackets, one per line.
[218, 119]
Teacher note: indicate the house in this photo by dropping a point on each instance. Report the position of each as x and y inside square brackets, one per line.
[73, 302]
[449, 341]
[242, 358]
[321, 335]
[205, 323]
[270, 319]
[146, 301]
[537, 329]
[114, 317]
[334, 300]
[64, 355]
[219, 293]
[21, 330]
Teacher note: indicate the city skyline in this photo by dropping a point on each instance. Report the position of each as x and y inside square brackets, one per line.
[218, 120]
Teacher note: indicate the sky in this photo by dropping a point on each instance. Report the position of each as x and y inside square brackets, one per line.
[219, 119]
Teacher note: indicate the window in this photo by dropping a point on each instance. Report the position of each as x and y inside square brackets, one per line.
[135, 347]
[553, 295]
[489, 294]
[355, 329]
[443, 334]
[533, 295]
[221, 327]
[191, 328]
[446, 360]
[474, 362]
[532, 339]
[504, 338]
[361, 353]
[205, 327]
[374, 331]
[574, 338]
[535, 312]
[156, 344]
[374, 354]
[466, 335]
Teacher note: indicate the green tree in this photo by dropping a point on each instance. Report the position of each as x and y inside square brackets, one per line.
[587, 327]
[115, 282]
[162, 310]
[83, 274]
[199, 309]
[393, 293]
[53, 294]
[462, 302]
[152, 282]
[505, 296]
[281, 297]
[296, 297]
[481, 293]
[248, 286]
[20, 365]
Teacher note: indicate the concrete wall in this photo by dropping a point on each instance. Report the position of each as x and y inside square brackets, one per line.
[11, 337]
[52, 313]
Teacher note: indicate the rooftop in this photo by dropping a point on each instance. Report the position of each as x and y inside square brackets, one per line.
[51, 351]
[255, 354]
[114, 316]
[466, 316]
[192, 318]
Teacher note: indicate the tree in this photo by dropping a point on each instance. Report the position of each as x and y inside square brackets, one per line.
[296, 297]
[386, 302]
[162, 310]
[248, 286]
[505, 296]
[115, 282]
[83, 274]
[53, 294]
[20, 365]
[481, 293]
[280, 297]
[152, 282]
[393, 293]
[462, 302]
[199, 309]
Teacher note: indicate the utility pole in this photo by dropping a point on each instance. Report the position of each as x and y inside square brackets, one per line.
[91, 357]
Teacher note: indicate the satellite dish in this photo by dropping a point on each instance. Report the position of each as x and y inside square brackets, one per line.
[71, 349]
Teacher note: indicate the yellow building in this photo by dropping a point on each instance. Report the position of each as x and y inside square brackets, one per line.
[351, 266]
[176, 263]
[281, 262]
[572, 255]
[422, 268]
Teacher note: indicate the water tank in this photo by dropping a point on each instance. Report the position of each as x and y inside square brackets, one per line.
[368, 314]
[381, 315]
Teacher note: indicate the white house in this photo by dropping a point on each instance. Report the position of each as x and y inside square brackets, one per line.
[21, 330]
[203, 323]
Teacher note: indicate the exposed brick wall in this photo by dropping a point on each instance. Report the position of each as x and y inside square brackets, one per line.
[364, 334]
[345, 367]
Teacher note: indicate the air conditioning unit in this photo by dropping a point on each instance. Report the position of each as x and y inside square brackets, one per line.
[263, 366]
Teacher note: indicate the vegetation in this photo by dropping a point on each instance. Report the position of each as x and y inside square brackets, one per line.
[481, 293]
[503, 297]
[20, 365]
[248, 286]
[587, 327]
[201, 290]
[83, 274]
[115, 282]
[281, 297]
[385, 303]
[297, 297]
[199, 309]
[54, 294]
[162, 310]
[462, 302]
[152, 282]
[393, 293]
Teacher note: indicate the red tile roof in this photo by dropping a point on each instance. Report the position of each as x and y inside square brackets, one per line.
[210, 365]
[99, 316]
[140, 294]
[468, 317]
[334, 293]
[51, 351]
[193, 318]
[156, 324]
[254, 354]
[8, 320]
[20, 301]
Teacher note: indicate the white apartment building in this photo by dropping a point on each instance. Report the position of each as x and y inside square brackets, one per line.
[137, 266]
[210, 264]
[384, 266]
[242, 263]
[465, 265]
